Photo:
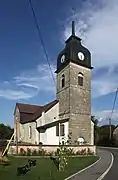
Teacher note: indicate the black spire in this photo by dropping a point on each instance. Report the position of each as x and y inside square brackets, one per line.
[70, 52]
[73, 28]
[73, 36]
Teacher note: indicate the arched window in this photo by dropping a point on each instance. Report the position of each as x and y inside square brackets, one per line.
[63, 81]
[23, 132]
[30, 132]
[80, 79]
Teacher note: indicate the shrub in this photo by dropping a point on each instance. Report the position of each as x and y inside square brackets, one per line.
[22, 152]
[85, 152]
[34, 152]
[89, 152]
[52, 153]
[81, 152]
[29, 153]
[78, 152]
[42, 152]
[70, 152]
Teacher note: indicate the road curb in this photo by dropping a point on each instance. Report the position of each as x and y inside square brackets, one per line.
[101, 147]
[105, 173]
[83, 169]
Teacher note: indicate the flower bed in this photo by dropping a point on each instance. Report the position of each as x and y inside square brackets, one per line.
[43, 152]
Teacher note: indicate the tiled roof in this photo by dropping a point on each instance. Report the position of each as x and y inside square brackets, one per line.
[29, 113]
[26, 117]
[27, 108]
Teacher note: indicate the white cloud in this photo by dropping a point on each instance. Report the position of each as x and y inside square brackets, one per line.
[40, 78]
[104, 115]
[15, 95]
[98, 27]
[104, 84]
[29, 84]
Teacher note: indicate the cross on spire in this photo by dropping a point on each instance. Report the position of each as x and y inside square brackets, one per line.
[73, 28]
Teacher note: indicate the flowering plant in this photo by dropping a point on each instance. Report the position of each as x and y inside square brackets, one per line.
[63, 152]
[63, 158]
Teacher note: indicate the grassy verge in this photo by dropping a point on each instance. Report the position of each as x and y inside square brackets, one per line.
[45, 168]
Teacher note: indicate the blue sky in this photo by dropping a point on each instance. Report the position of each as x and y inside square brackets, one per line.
[25, 75]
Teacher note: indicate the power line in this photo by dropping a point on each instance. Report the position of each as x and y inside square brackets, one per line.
[112, 113]
[114, 103]
[42, 42]
[41, 39]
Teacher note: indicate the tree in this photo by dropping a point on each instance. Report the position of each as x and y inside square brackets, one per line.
[101, 134]
[5, 131]
[96, 129]
[104, 132]
[94, 120]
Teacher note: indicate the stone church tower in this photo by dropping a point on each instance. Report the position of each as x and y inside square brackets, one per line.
[74, 87]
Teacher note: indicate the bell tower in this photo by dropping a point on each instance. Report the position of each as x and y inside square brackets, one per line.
[74, 87]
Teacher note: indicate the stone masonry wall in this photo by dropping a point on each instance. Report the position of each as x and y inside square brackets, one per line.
[80, 103]
[63, 94]
[75, 101]
[80, 125]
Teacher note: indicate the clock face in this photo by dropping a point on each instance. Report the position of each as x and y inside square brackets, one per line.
[81, 56]
[63, 59]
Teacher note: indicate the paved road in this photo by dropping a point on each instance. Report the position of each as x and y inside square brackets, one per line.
[94, 172]
[113, 173]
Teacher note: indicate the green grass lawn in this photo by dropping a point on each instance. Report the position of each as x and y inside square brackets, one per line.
[45, 168]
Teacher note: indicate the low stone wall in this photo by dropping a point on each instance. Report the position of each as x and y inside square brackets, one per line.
[50, 148]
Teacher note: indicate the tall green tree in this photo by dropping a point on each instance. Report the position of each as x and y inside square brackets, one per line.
[94, 120]
[5, 131]
[96, 129]
[104, 132]
[101, 134]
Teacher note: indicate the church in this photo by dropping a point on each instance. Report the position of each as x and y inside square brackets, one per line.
[70, 113]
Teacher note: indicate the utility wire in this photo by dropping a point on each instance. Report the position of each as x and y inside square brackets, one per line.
[110, 131]
[114, 103]
[41, 38]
